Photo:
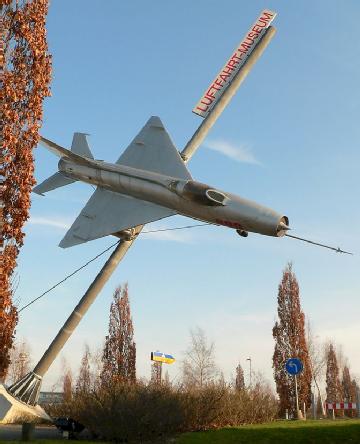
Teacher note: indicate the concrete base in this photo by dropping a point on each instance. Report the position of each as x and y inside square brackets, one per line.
[14, 411]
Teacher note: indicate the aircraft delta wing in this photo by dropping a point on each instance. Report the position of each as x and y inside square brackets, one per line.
[153, 150]
[107, 212]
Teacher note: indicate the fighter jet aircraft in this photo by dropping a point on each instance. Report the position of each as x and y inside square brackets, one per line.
[150, 181]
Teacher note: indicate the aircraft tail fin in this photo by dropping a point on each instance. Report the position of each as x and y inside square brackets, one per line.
[79, 153]
[80, 145]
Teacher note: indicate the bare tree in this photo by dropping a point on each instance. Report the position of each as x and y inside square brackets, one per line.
[83, 382]
[66, 380]
[342, 359]
[199, 366]
[20, 365]
[317, 360]
[97, 365]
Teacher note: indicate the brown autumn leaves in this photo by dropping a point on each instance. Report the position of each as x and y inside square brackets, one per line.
[25, 78]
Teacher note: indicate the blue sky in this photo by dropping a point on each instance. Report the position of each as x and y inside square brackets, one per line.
[295, 117]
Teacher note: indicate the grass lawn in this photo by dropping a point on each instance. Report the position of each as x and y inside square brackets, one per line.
[281, 432]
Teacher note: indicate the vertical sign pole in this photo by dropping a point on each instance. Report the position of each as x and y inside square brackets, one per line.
[296, 395]
[250, 375]
[160, 372]
[298, 411]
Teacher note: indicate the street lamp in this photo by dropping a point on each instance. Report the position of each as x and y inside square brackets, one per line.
[249, 359]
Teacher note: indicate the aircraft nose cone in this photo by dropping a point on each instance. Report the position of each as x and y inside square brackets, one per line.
[283, 226]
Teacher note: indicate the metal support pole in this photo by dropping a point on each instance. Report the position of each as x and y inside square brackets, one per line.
[28, 388]
[219, 107]
[27, 431]
[160, 372]
[250, 372]
[82, 307]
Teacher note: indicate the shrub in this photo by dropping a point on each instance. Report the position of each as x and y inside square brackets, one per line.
[130, 412]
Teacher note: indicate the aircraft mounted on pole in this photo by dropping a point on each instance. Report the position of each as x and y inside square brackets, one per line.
[150, 181]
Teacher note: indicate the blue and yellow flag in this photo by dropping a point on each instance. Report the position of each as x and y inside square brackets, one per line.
[162, 357]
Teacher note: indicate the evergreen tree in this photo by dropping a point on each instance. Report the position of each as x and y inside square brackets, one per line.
[119, 355]
[333, 388]
[290, 342]
[239, 378]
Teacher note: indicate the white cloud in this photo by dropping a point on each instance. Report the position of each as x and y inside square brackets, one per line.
[240, 153]
[55, 223]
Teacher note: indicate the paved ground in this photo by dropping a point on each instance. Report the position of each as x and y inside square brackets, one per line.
[13, 432]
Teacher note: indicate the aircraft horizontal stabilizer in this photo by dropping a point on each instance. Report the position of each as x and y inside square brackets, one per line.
[55, 181]
[108, 213]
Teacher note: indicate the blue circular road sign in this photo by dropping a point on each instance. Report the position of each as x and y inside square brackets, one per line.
[294, 366]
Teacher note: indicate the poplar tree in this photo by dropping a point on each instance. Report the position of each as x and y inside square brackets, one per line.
[348, 389]
[156, 372]
[83, 382]
[119, 355]
[346, 386]
[333, 388]
[25, 73]
[290, 342]
[67, 385]
[239, 378]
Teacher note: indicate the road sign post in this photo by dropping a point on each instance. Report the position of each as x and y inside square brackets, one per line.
[294, 366]
[159, 359]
